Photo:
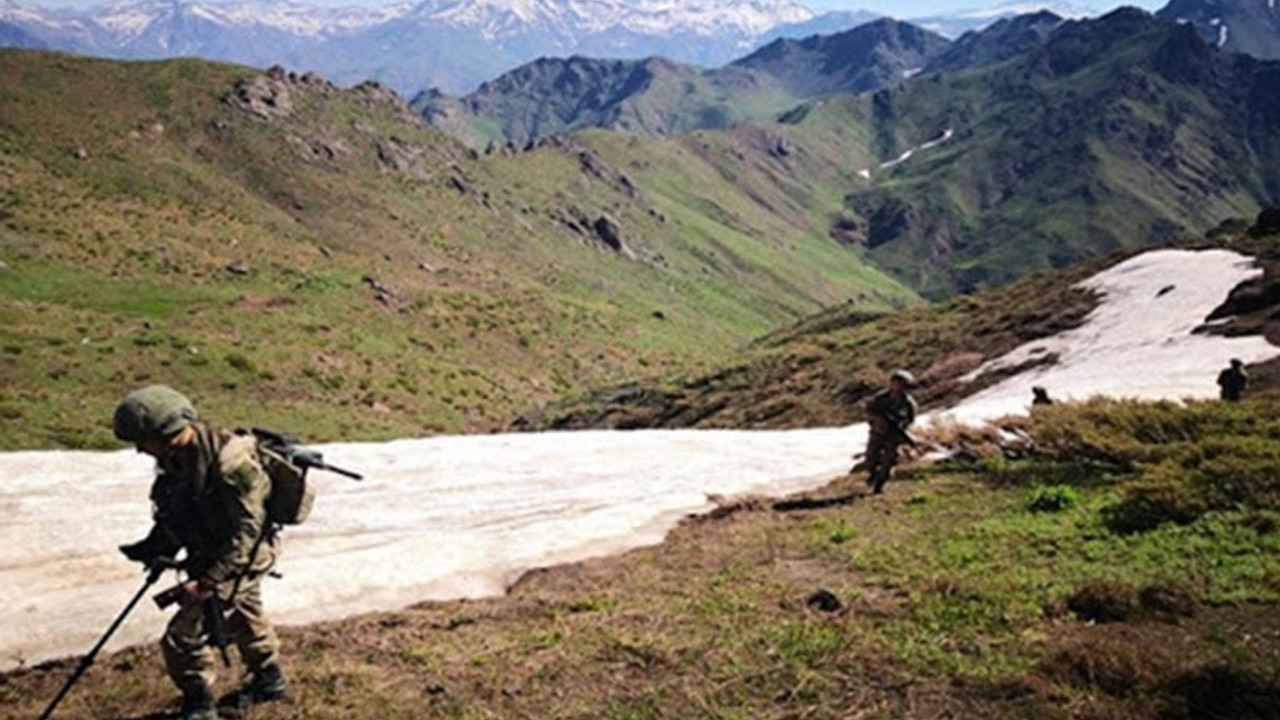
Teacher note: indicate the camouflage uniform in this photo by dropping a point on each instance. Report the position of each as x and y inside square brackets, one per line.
[885, 412]
[210, 498]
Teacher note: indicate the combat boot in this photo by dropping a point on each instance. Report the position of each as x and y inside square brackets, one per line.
[198, 706]
[268, 684]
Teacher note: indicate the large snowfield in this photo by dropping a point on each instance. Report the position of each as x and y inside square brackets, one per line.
[454, 517]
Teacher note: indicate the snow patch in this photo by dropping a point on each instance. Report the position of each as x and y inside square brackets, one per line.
[453, 517]
[1138, 343]
[907, 155]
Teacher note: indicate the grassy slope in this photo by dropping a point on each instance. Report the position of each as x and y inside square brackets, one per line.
[115, 261]
[818, 372]
[991, 589]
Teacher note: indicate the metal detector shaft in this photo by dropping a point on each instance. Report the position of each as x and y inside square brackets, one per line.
[153, 574]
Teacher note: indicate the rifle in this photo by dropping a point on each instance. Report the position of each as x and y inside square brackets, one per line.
[902, 435]
[305, 458]
[214, 618]
[154, 571]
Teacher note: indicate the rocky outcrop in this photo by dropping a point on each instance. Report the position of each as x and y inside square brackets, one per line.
[397, 155]
[1268, 223]
[610, 234]
[372, 94]
[269, 95]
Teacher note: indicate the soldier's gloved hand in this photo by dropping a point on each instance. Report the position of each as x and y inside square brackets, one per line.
[142, 551]
[194, 592]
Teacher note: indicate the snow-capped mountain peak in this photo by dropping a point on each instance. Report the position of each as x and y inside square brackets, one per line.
[648, 17]
[133, 17]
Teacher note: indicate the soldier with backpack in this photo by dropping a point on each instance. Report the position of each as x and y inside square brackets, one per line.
[210, 499]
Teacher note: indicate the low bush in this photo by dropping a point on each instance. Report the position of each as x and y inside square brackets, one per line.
[1052, 498]
[1184, 461]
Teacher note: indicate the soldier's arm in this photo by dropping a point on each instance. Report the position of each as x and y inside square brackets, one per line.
[246, 509]
[877, 411]
[160, 540]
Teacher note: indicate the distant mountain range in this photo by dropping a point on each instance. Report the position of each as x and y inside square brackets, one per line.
[1118, 130]
[1245, 26]
[1031, 144]
[453, 45]
[660, 97]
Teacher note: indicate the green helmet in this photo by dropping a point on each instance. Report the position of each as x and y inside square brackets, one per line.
[152, 413]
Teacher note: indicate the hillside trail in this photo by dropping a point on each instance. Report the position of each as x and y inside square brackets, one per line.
[464, 517]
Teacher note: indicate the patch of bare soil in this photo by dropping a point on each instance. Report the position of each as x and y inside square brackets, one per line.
[1221, 663]
[820, 372]
[261, 303]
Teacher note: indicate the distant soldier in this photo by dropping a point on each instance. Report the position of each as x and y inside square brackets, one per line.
[1040, 396]
[1232, 381]
[889, 414]
[209, 498]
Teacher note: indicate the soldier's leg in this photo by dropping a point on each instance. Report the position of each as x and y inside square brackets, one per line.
[885, 471]
[248, 628]
[189, 661]
[876, 450]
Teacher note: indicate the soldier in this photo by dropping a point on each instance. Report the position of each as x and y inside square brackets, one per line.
[889, 414]
[1232, 381]
[209, 498]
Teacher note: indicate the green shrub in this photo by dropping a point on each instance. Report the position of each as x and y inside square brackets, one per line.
[241, 363]
[1183, 461]
[1052, 498]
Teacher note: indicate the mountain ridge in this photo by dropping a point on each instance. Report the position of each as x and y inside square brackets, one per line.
[656, 96]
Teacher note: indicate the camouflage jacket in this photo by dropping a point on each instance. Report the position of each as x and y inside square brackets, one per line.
[885, 410]
[210, 498]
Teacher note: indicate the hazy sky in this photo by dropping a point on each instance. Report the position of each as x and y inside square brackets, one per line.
[896, 8]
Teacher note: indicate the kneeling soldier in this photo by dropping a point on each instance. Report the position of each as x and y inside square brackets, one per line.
[209, 498]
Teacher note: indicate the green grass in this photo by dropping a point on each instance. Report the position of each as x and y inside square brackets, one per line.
[128, 246]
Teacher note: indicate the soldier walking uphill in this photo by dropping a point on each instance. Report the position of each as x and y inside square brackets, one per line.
[1232, 381]
[209, 499]
[889, 414]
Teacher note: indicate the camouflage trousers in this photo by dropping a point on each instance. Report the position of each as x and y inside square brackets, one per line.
[881, 456]
[192, 662]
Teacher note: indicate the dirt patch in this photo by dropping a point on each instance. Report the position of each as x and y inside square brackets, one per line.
[1221, 666]
[261, 303]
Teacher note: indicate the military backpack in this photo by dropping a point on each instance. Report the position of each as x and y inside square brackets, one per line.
[287, 463]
